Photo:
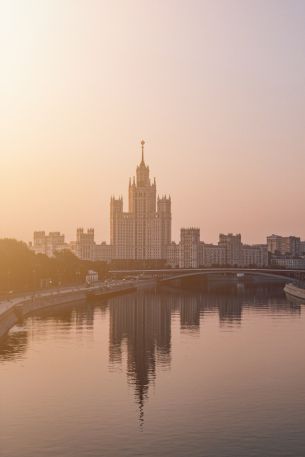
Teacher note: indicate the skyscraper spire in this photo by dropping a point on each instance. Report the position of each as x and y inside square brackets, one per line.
[142, 144]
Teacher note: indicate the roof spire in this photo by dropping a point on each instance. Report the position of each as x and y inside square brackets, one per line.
[142, 145]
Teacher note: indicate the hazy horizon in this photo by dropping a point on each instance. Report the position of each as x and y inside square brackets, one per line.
[216, 89]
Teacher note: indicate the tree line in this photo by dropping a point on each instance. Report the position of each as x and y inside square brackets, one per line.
[23, 270]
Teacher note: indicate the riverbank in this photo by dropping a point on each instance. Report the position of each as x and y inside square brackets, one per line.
[294, 291]
[15, 309]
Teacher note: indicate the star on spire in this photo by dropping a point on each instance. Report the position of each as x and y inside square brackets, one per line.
[142, 145]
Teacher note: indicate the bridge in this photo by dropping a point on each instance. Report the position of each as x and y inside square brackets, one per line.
[171, 274]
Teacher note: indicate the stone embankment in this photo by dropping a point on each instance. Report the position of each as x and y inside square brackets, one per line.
[296, 291]
[16, 308]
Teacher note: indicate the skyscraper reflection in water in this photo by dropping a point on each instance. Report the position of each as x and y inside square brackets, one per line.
[140, 325]
[208, 360]
[143, 322]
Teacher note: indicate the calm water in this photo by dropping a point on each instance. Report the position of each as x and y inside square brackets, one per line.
[171, 373]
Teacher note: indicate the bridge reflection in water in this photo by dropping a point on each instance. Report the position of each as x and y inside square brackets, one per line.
[140, 326]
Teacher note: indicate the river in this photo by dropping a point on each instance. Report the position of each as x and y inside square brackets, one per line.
[215, 372]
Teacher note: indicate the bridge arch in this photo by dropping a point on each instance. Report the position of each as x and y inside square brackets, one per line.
[169, 274]
[207, 272]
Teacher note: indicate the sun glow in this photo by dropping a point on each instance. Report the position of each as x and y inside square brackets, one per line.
[81, 82]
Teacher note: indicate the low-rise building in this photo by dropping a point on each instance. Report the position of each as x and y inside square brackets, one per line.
[91, 277]
[48, 244]
[104, 252]
[231, 252]
[284, 245]
[289, 262]
[212, 255]
[255, 255]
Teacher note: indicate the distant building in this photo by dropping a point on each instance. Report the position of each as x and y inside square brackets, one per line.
[173, 255]
[104, 252]
[284, 245]
[289, 262]
[231, 252]
[144, 232]
[48, 244]
[212, 255]
[189, 248]
[255, 256]
[85, 245]
[91, 277]
[233, 245]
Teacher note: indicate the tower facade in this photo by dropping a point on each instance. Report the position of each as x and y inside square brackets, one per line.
[85, 245]
[143, 232]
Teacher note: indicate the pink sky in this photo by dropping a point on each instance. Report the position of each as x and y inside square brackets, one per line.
[216, 89]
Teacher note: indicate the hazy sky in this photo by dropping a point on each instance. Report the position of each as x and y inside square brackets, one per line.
[216, 89]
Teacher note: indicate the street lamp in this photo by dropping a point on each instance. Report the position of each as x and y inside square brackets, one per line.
[8, 280]
[34, 278]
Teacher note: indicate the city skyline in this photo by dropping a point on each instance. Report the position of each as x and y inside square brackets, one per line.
[142, 231]
[216, 90]
[124, 196]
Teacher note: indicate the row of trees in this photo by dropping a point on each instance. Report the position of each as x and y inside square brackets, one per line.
[22, 270]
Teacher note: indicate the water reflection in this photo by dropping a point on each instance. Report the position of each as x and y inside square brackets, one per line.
[189, 307]
[14, 345]
[143, 322]
[234, 380]
[140, 325]
[62, 318]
